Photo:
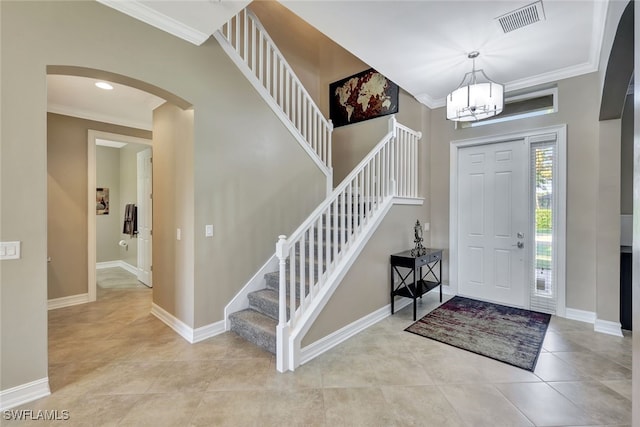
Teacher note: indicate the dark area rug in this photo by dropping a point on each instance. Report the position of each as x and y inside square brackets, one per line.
[510, 335]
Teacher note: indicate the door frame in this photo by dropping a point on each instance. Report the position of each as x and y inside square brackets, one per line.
[91, 199]
[530, 136]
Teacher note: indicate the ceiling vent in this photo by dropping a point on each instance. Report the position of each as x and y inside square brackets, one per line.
[522, 17]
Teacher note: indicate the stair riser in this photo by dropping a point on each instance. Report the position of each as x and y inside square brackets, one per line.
[254, 335]
[266, 306]
[273, 282]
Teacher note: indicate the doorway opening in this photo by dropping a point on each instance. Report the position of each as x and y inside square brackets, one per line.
[121, 243]
[508, 206]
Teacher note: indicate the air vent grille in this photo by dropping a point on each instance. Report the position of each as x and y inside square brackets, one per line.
[522, 17]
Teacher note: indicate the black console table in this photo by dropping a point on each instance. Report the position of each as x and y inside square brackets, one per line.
[417, 285]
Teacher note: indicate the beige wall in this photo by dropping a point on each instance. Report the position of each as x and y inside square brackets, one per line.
[173, 207]
[608, 222]
[66, 201]
[578, 108]
[251, 180]
[108, 226]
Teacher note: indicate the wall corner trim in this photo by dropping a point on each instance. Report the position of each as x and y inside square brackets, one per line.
[608, 327]
[24, 393]
[185, 331]
[56, 303]
[324, 344]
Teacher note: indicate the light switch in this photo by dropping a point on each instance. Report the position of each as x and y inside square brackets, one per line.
[426, 226]
[9, 250]
[178, 234]
[208, 230]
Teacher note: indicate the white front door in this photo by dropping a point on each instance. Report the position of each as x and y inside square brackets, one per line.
[145, 215]
[493, 222]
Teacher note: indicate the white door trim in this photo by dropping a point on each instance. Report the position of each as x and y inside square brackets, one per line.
[91, 199]
[529, 136]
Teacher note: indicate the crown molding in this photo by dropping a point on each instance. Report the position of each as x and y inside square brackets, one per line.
[152, 17]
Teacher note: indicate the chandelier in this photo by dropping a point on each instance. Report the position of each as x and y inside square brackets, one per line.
[477, 97]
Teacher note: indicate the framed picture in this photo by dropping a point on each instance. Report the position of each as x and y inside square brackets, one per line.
[102, 201]
[363, 96]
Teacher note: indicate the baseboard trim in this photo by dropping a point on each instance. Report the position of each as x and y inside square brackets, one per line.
[181, 328]
[608, 327]
[599, 325]
[185, 331]
[580, 315]
[119, 263]
[315, 349]
[62, 302]
[208, 331]
[24, 393]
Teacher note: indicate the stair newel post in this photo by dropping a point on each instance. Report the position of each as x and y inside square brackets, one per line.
[392, 161]
[282, 330]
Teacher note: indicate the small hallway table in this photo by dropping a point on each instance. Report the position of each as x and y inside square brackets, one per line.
[409, 269]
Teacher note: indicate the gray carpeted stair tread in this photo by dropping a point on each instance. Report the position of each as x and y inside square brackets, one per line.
[255, 327]
[267, 301]
[273, 281]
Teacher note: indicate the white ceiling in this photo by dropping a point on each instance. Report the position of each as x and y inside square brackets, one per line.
[421, 45]
[79, 97]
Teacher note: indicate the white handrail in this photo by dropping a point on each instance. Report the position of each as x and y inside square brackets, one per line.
[313, 252]
[264, 61]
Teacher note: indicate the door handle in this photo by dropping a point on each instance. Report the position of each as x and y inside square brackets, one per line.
[520, 245]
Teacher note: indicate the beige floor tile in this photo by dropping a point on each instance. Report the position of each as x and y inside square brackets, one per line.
[557, 341]
[552, 368]
[240, 374]
[348, 371]
[364, 406]
[595, 366]
[622, 387]
[159, 410]
[483, 405]
[122, 378]
[228, 408]
[185, 376]
[603, 404]
[303, 407]
[421, 406]
[543, 405]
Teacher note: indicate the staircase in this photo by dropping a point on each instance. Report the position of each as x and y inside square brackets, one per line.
[314, 259]
[258, 323]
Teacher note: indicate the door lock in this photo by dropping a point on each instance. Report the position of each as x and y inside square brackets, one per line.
[520, 235]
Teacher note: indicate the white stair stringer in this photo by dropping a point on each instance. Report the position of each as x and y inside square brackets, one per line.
[250, 47]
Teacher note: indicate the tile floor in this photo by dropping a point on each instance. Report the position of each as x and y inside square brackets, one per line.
[111, 363]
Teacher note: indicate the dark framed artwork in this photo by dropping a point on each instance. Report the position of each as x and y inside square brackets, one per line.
[360, 97]
[102, 201]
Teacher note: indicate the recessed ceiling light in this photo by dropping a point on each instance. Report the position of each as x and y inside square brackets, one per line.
[104, 85]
